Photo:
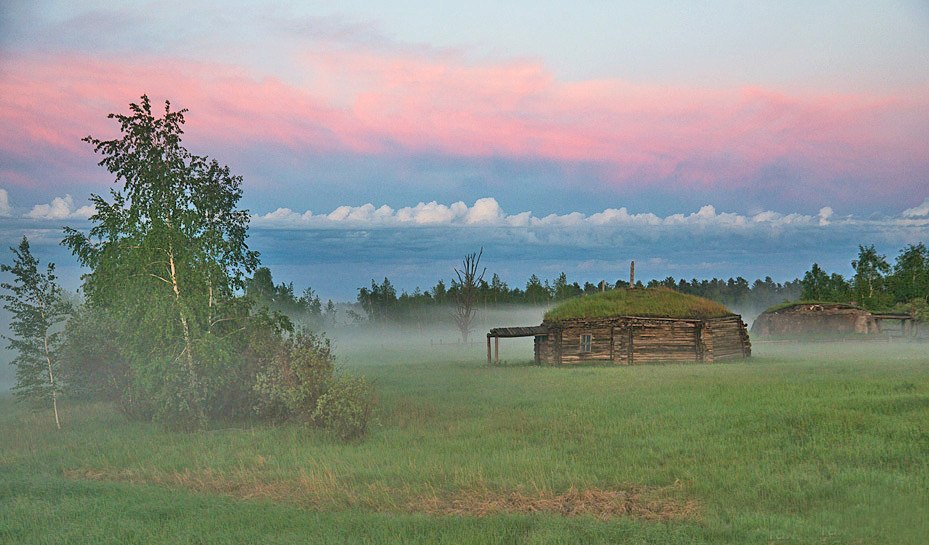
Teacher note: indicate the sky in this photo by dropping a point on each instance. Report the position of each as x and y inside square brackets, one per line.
[389, 139]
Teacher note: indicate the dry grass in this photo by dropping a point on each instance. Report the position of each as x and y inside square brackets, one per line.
[324, 492]
[635, 502]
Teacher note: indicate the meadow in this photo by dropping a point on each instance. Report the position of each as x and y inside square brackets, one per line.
[817, 443]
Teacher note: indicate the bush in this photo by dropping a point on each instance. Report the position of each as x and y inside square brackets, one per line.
[268, 371]
[290, 382]
[93, 366]
[345, 409]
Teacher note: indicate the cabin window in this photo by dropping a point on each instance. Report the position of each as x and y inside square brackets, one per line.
[585, 344]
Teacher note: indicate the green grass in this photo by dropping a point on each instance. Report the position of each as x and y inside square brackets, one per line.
[802, 444]
[651, 302]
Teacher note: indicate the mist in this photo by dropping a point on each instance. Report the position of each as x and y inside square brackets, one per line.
[433, 336]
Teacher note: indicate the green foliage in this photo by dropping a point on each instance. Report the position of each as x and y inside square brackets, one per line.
[166, 254]
[92, 364]
[910, 280]
[869, 283]
[425, 307]
[345, 409]
[819, 286]
[38, 307]
[297, 381]
[378, 302]
[293, 378]
[562, 290]
[876, 285]
[536, 293]
[655, 302]
[305, 310]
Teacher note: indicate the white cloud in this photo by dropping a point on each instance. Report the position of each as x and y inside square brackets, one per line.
[5, 209]
[610, 227]
[921, 211]
[60, 208]
[488, 212]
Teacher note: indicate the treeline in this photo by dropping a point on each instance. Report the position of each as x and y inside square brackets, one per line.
[381, 303]
[877, 284]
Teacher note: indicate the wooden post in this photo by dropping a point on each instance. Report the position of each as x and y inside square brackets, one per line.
[496, 350]
[632, 274]
[488, 349]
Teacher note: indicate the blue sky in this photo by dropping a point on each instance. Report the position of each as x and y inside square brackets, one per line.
[719, 139]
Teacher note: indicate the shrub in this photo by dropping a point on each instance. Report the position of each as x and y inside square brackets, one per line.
[345, 409]
[290, 382]
[93, 365]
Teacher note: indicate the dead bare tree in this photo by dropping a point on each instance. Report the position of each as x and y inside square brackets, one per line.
[468, 281]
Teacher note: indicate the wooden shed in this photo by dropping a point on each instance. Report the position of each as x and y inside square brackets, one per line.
[634, 326]
[814, 318]
[806, 319]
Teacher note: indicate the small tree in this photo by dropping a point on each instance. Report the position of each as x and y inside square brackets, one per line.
[37, 305]
[466, 298]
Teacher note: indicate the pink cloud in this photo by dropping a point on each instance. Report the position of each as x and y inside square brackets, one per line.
[367, 102]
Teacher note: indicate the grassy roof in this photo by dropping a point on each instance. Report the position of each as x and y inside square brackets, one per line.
[791, 304]
[650, 302]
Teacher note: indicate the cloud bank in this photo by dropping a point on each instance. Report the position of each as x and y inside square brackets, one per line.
[339, 250]
[60, 208]
[487, 212]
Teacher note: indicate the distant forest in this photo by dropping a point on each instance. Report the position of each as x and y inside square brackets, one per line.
[877, 284]
[380, 302]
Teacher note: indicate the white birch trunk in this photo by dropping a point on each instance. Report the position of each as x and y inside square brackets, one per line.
[51, 381]
[180, 311]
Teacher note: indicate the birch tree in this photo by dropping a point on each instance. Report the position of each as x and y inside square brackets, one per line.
[167, 253]
[870, 268]
[38, 307]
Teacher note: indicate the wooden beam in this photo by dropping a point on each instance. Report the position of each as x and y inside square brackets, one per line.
[496, 350]
[488, 349]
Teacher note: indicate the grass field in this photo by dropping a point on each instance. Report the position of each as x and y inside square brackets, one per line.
[825, 443]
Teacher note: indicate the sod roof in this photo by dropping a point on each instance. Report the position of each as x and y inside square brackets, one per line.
[788, 305]
[647, 303]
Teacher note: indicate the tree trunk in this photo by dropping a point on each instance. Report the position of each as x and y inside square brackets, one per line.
[48, 361]
[188, 344]
[51, 381]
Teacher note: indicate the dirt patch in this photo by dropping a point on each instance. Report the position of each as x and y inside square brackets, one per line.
[323, 492]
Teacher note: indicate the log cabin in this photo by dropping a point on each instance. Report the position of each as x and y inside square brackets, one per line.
[633, 326]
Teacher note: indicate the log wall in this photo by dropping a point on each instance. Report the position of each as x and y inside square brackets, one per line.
[726, 338]
[633, 341]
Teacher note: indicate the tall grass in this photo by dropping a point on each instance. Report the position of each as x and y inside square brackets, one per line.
[793, 446]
